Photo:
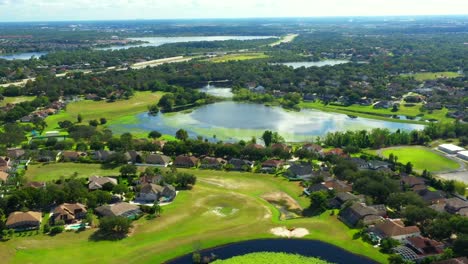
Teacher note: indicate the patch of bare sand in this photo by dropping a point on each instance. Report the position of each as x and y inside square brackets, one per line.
[224, 183]
[282, 198]
[292, 232]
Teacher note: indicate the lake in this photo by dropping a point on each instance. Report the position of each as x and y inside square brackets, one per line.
[308, 64]
[232, 121]
[158, 41]
[309, 248]
[22, 56]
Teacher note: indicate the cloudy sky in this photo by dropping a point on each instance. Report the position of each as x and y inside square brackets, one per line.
[46, 10]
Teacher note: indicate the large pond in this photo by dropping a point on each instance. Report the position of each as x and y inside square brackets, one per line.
[308, 64]
[22, 56]
[158, 41]
[309, 248]
[234, 121]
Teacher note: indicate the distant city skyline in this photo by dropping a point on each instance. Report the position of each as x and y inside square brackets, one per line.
[59, 10]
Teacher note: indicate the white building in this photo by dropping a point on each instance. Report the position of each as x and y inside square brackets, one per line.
[450, 148]
[463, 155]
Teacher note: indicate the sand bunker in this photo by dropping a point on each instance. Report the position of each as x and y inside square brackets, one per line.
[293, 232]
[286, 205]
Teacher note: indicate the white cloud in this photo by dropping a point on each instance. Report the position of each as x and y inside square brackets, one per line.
[154, 9]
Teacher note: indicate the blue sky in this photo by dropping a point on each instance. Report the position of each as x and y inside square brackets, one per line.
[45, 10]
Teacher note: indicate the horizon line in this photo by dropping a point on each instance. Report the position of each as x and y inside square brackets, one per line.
[237, 18]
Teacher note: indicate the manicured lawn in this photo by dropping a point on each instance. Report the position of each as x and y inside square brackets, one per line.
[90, 110]
[422, 158]
[53, 171]
[424, 76]
[239, 57]
[16, 100]
[370, 112]
[190, 222]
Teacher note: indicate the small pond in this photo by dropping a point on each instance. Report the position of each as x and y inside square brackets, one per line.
[309, 248]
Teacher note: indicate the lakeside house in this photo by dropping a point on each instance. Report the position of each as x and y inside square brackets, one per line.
[119, 209]
[360, 213]
[24, 220]
[396, 229]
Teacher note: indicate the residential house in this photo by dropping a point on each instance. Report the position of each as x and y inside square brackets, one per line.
[424, 246]
[361, 164]
[240, 165]
[432, 197]
[97, 182]
[4, 164]
[155, 179]
[4, 177]
[460, 260]
[158, 160]
[150, 193]
[281, 146]
[414, 183]
[212, 163]
[68, 213]
[133, 156]
[102, 155]
[299, 172]
[342, 198]
[258, 89]
[15, 153]
[315, 188]
[72, 155]
[456, 206]
[256, 146]
[338, 186]
[312, 147]
[159, 143]
[122, 209]
[184, 161]
[271, 165]
[396, 229]
[359, 213]
[336, 151]
[24, 220]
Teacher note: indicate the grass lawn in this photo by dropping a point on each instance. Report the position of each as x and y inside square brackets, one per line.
[91, 110]
[193, 221]
[422, 158]
[424, 76]
[239, 57]
[53, 171]
[370, 112]
[16, 100]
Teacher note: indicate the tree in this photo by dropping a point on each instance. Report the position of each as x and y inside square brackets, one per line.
[460, 246]
[267, 137]
[387, 244]
[318, 201]
[65, 124]
[12, 135]
[79, 118]
[39, 123]
[409, 167]
[394, 108]
[399, 200]
[103, 120]
[120, 189]
[153, 109]
[115, 225]
[154, 134]
[128, 170]
[182, 134]
[157, 209]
